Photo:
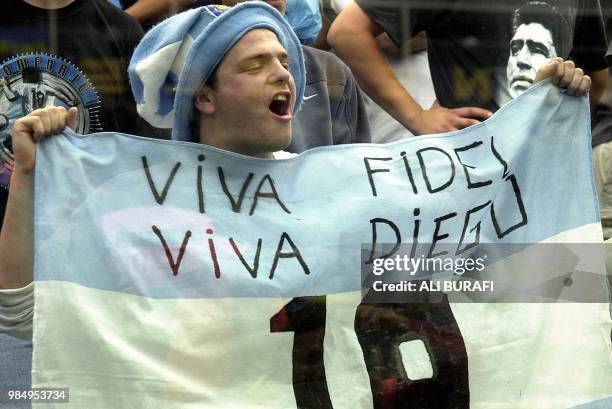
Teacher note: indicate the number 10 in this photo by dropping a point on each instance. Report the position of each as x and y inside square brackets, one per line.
[380, 329]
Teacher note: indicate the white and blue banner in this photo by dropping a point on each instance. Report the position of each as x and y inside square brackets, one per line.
[176, 275]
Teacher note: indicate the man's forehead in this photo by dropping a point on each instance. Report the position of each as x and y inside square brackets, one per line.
[256, 41]
[534, 31]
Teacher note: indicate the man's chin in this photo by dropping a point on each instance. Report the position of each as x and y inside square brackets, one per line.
[518, 87]
[282, 145]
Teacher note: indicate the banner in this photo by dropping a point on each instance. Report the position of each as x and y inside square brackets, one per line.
[176, 275]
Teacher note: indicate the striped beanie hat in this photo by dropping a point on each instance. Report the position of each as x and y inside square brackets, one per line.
[176, 57]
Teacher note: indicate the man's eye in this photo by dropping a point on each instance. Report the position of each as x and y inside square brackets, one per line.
[515, 47]
[252, 66]
[539, 49]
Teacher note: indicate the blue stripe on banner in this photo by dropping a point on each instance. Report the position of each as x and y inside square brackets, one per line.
[172, 219]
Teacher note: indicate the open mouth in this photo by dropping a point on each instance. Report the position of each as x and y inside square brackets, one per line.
[280, 104]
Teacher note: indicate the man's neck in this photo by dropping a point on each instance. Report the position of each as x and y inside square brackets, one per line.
[49, 4]
[209, 137]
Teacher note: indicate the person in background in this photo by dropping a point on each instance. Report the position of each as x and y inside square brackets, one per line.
[305, 18]
[538, 30]
[411, 67]
[466, 47]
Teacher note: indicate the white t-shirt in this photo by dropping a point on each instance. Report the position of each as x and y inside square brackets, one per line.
[16, 311]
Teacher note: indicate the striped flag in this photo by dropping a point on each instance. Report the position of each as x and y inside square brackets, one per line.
[176, 275]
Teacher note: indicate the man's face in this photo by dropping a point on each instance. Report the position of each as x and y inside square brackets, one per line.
[530, 48]
[253, 97]
[280, 5]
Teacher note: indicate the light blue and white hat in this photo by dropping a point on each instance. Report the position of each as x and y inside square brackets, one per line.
[177, 56]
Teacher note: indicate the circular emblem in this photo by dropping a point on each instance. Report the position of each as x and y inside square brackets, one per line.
[38, 80]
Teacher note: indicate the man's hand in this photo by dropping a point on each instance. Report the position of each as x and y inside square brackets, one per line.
[30, 129]
[564, 74]
[17, 234]
[438, 119]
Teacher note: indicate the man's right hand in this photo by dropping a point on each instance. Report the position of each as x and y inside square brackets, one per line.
[438, 119]
[17, 234]
[35, 126]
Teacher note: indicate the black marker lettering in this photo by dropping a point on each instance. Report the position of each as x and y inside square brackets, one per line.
[272, 194]
[236, 205]
[251, 270]
[295, 252]
[437, 237]
[471, 185]
[159, 198]
[409, 173]
[466, 224]
[424, 169]
[200, 188]
[371, 171]
[398, 238]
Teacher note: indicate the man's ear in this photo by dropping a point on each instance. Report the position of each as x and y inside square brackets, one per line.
[205, 100]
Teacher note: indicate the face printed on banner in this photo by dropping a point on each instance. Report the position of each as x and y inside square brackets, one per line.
[248, 106]
[531, 47]
[280, 5]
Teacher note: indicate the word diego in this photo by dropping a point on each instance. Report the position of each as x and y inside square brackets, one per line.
[508, 193]
[429, 265]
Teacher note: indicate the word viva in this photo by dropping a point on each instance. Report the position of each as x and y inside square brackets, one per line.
[285, 249]
[235, 199]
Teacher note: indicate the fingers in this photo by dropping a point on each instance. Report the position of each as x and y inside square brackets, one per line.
[565, 74]
[47, 121]
[574, 83]
[72, 118]
[472, 112]
[461, 123]
[34, 126]
[584, 86]
[549, 70]
[572, 78]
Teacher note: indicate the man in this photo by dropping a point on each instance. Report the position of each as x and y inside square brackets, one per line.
[244, 103]
[538, 29]
[333, 112]
[467, 40]
[228, 78]
[71, 53]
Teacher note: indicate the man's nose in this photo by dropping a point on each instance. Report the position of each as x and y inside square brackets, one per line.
[281, 73]
[523, 58]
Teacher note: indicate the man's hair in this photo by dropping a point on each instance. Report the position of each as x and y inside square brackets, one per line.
[549, 17]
